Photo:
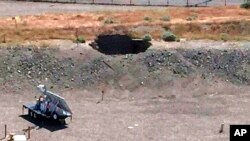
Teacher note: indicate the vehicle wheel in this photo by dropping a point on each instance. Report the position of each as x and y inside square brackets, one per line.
[34, 115]
[30, 113]
[63, 122]
[55, 117]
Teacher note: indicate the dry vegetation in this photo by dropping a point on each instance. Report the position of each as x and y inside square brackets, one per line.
[190, 23]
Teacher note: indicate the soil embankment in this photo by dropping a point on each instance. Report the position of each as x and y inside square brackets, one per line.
[83, 67]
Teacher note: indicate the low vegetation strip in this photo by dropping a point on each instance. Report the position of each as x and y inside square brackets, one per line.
[191, 23]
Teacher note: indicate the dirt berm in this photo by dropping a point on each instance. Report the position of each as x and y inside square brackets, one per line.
[67, 65]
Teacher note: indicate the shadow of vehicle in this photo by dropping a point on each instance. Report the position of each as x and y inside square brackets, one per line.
[45, 123]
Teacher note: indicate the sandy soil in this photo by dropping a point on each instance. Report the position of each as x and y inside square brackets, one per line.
[188, 109]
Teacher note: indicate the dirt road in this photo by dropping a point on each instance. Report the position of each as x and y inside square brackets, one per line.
[18, 8]
[13, 8]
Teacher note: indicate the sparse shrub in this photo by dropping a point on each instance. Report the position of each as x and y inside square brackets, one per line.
[109, 21]
[133, 35]
[25, 23]
[193, 17]
[169, 36]
[147, 37]
[166, 27]
[80, 39]
[245, 5]
[180, 28]
[100, 18]
[147, 19]
[166, 18]
[18, 32]
[224, 36]
[189, 18]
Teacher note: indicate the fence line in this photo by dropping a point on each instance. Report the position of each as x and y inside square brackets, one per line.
[187, 3]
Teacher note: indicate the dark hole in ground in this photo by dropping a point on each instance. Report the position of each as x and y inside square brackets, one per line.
[119, 44]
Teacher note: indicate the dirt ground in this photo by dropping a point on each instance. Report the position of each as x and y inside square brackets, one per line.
[143, 114]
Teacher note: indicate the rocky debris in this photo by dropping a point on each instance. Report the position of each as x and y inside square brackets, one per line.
[157, 61]
[41, 64]
[19, 65]
[223, 63]
[229, 64]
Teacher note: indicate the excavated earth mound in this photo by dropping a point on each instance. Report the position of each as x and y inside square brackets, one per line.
[83, 67]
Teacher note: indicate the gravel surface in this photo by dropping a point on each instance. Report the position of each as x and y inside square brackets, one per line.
[67, 65]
